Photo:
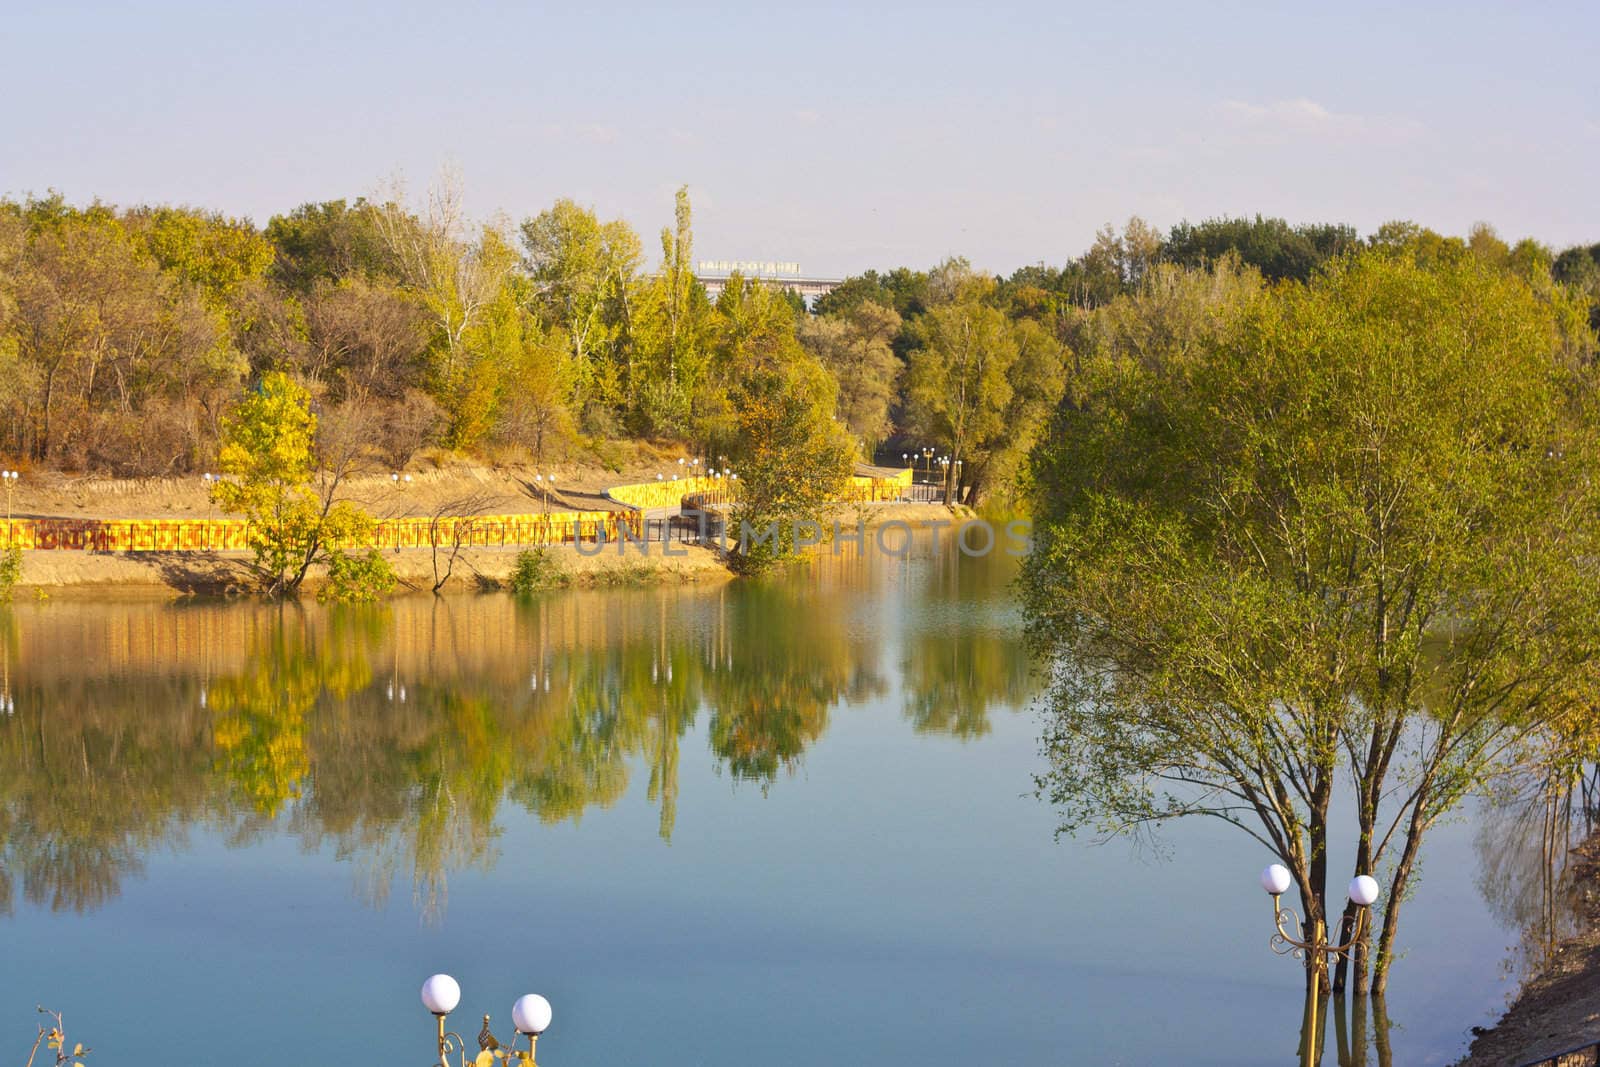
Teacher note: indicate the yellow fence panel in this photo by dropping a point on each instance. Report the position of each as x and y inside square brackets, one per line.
[488, 531]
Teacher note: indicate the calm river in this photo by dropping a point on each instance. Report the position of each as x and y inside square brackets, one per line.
[778, 823]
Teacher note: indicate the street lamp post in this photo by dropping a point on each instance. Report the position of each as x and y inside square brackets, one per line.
[1312, 944]
[10, 478]
[530, 1015]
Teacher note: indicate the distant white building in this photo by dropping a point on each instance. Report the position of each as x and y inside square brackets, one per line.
[714, 274]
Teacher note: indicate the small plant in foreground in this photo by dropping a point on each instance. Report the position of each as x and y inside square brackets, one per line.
[10, 571]
[357, 579]
[536, 569]
[55, 1039]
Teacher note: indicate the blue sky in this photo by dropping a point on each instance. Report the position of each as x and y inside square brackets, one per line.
[839, 137]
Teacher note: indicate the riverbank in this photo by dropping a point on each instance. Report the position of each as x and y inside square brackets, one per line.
[176, 574]
[427, 487]
[1559, 1008]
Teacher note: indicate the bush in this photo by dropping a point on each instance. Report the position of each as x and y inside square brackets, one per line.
[10, 570]
[536, 570]
[357, 579]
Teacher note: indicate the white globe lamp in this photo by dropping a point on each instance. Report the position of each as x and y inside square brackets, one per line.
[531, 1015]
[1363, 890]
[1276, 880]
[441, 994]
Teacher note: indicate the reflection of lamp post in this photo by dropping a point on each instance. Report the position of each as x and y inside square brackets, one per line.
[530, 1015]
[1312, 945]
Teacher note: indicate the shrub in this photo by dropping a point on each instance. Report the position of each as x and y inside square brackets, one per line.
[357, 579]
[10, 570]
[536, 570]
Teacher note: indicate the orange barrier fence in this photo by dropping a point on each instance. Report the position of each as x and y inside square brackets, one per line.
[551, 528]
[861, 490]
[197, 535]
[666, 493]
[126, 535]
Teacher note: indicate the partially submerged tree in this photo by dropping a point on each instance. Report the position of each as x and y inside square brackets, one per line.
[1346, 528]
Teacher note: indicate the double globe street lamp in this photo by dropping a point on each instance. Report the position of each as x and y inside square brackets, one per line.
[10, 478]
[1311, 943]
[530, 1015]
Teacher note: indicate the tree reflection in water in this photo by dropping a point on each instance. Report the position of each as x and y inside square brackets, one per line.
[393, 734]
[1356, 1045]
[1523, 835]
[1523, 840]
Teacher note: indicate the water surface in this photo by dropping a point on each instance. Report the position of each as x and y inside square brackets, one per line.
[786, 822]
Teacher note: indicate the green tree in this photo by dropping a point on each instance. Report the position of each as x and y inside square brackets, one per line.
[858, 347]
[1271, 246]
[668, 331]
[216, 254]
[458, 279]
[329, 241]
[1346, 529]
[978, 385]
[582, 272]
[268, 459]
[792, 456]
[903, 289]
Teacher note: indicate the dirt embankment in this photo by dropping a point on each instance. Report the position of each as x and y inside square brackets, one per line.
[422, 490]
[1559, 1008]
[170, 574]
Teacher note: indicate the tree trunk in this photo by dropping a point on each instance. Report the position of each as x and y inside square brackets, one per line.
[1317, 868]
[1366, 815]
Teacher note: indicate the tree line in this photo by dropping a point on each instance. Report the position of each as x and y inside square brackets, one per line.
[128, 335]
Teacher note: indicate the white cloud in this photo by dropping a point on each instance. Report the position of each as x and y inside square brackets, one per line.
[593, 132]
[1301, 116]
[597, 132]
